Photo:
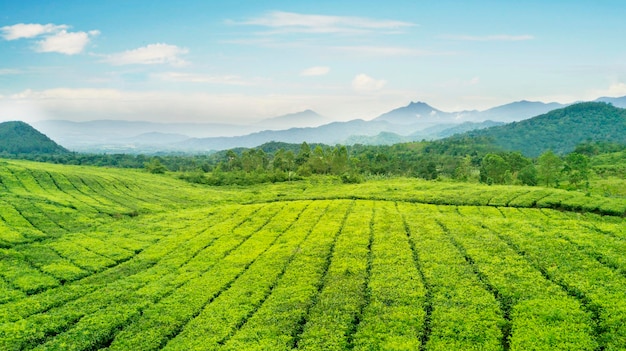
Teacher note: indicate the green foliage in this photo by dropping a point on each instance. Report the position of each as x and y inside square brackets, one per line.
[549, 168]
[96, 258]
[493, 170]
[561, 130]
[577, 170]
[155, 166]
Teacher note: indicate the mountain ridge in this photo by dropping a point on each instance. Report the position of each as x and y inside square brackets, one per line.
[417, 120]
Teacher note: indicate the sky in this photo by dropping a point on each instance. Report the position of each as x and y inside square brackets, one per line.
[242, 61]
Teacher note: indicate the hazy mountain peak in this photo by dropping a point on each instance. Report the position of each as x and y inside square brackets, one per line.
[306, 118]
[414, 112]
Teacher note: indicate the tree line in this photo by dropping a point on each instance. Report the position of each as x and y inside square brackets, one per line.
[471, 159]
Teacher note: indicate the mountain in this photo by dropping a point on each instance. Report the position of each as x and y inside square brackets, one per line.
[462, 128]
[156, 138]
[382, 138]
[83, 136]
[416, 113]
[416, 121]
[307, 118]
[617, 102]
[519, 110]
[424, 115]
[332, 133]
[21, 138]
[560, 130]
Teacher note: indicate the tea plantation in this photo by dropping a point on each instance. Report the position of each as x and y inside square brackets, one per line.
[110, 259]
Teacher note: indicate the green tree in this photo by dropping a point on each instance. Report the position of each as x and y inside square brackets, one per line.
[318, 161]
[549, 167]
[233, 162]
[465, 170]
[155, 166]
[577, 169]
[339, 162]
[304, 154]
[279, 163]
[528, 175]
[493, 169]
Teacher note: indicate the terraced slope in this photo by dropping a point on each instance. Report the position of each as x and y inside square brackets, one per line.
[119, 260]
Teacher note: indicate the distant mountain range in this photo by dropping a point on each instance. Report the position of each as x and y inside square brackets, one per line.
[416, 121]
[559, 130]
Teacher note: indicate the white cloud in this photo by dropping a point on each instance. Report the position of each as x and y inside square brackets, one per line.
[203, 78]
[497, 37]
[159, 53]
[9, 71]
[31, 30]
[616, 90]
[315, 71]
[56, 38]
[69, 43]
[286, 22]
[364, 83]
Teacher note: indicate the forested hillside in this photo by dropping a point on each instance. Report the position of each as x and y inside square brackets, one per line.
[561, 130]
[20, 138]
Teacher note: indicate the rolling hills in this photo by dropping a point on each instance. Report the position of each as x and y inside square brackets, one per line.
[96, 258]
[561, 130]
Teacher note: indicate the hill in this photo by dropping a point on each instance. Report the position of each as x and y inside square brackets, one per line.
[561, 130]
[20, 138]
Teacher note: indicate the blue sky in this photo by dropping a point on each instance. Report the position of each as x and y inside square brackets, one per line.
[242, 61]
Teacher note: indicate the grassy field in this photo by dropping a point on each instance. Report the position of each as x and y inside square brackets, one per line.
[96, 258]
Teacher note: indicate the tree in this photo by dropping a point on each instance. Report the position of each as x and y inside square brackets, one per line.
[155, 166]
[549, 167]
[339, 162]
[577, 169]
[465, 169]
[233, 162]
[528, 175]
[516, 161]
[279, 163]
[304, 154]
[318, 161]
[493, 169]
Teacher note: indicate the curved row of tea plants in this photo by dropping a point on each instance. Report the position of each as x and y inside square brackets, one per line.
[94, 258]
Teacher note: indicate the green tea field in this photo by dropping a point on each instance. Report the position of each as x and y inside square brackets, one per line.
[110, 259]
